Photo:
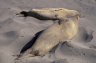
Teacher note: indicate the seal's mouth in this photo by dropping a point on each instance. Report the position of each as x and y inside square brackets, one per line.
[77, 17]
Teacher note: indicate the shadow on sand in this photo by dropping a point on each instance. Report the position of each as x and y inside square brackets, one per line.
[31, 42]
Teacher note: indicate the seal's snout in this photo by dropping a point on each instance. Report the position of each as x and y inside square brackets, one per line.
[75, 14]
[78, 15]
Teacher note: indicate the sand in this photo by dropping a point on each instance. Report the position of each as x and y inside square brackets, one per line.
[16, 31]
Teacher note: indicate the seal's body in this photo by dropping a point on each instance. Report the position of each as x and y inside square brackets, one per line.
[63, 30]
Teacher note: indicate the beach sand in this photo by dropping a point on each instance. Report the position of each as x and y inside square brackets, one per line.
[17, 31]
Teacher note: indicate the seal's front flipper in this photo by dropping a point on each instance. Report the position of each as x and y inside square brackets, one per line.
[23, 14]
[55, 47]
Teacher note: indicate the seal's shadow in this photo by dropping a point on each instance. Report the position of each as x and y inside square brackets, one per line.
[31, 42]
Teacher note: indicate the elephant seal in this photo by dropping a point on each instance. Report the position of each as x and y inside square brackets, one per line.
[63, 30]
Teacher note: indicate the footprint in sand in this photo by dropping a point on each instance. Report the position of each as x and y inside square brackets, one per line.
[86, 36]
[60, 61]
